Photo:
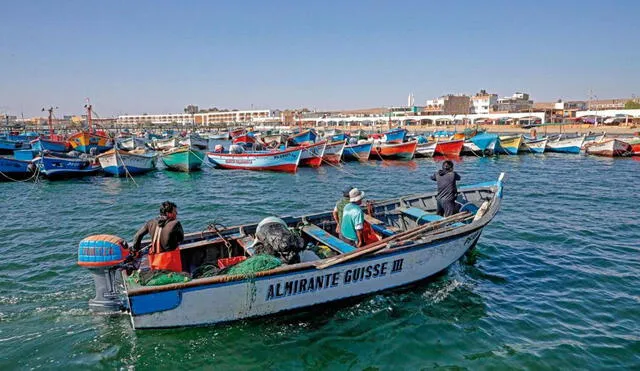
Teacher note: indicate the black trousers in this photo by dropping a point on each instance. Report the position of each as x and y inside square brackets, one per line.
[446, 207]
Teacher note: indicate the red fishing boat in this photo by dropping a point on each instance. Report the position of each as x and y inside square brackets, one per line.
[312, 154]
[635, 146]
[333, 152]
[449, 147]
[399, 151]
[244, 138]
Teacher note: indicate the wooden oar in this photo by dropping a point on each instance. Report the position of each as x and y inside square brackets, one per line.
[379, 245]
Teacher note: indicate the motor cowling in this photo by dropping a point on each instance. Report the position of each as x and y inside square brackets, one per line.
[101, 254]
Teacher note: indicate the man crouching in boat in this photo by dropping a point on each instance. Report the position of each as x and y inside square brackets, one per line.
[167, 234]
[352, 221]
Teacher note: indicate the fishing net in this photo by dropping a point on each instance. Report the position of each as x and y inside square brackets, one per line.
[157, 277]
[254, 264]
[206, 270]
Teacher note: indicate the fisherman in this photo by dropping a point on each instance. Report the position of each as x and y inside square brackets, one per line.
[447, 190]
[339, 208]
[167, 234]
[352, 223]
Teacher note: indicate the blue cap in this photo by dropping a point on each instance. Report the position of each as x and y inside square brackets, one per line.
[346, 190]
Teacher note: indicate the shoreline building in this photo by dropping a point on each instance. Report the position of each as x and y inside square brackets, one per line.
[484, 103]
[518, 102]
[447, 105]
[200, 118]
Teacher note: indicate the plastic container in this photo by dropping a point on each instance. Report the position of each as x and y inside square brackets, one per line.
[228, 262]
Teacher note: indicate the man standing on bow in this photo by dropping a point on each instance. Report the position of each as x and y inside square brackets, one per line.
[447, 190]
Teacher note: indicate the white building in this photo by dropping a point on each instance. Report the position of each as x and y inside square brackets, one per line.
[518, 102]
[202, 118]
[483, 102]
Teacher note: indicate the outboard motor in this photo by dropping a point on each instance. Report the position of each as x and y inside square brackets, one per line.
[101, 254]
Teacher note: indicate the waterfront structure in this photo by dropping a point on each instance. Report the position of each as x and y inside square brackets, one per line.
[447, 105]
[201, 118]
[518, 102]
[483, 102]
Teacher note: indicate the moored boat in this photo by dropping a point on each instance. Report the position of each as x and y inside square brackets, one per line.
[12, 169]
[481, 144]
[304, 137]
[286, 160]
[534, 146]
[635, 146]
[357, 152]
[84, 141]
[312, 154]
[45, 144]
[61, 165]
[448, 147]
[508, 145]
[195, 141]
[165, 143]
[183, 159]
[565, 145]
[333, 152]
[8, 146]
[427, 149]
[609, 148]
[122, 163]
[399, 151]
[413, 244]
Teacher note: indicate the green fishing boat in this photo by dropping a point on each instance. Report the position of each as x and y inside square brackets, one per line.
[183, 159]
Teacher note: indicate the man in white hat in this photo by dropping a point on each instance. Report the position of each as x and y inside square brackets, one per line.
[352, 223]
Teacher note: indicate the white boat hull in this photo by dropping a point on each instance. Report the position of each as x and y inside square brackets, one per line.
[223, 302]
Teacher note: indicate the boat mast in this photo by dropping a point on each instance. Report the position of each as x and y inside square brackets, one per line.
[88, 106]
[50, 120]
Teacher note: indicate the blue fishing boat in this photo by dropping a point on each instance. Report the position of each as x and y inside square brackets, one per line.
[61, 165]
[305, 137]
[12, 169]
[357, 152]
[43, 144]
[122, 163]
[565, 145]
[7, 146]
[394, 136]
[25, 154]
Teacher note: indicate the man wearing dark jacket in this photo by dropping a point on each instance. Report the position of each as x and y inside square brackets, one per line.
[167, 234]
[447, 190]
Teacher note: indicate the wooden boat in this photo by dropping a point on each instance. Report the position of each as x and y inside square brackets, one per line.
[183, 159]
[236, 132]
[593, 138]
[195, 141]
[7, 146]
[312, 154]
[449, 147]
[635, 146]
[394, 136]
[609, 148]
[399, 151]
[416, 244]
[305, 137]
[286, 160]
[508, 145]
[219, 136]
[165, 143]
[333, 152]
[481, 144]
[45, 144]
[122, 163]
[565, 145]
[427, 149]
[357, 152]
[244, 138]
[534, 146]
[84, 141]
[273, 140]
[60, 165]
[12, 169]
[131, 143]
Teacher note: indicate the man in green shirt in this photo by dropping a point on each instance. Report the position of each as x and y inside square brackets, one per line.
[353, 219]
[337, 210]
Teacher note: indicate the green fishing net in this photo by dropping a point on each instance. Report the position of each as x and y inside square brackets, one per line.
[254, 264]
[157, 278]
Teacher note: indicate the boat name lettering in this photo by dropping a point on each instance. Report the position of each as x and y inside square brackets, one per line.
[326, 281]
[239, 161]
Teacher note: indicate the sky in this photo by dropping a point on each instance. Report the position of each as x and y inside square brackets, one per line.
[132, 57]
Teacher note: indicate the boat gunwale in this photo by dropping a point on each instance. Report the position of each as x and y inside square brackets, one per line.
[256, 154]
[472, 227]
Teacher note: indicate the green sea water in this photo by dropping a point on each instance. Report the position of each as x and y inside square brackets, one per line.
[554, 282]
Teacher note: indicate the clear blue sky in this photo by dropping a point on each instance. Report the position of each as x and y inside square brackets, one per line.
[158, 56]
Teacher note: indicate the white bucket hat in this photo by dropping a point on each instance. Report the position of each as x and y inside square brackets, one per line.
[355, 195]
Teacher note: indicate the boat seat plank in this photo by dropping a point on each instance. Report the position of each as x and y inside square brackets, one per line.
[379, 227]
[331, 241]
[422, 216]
